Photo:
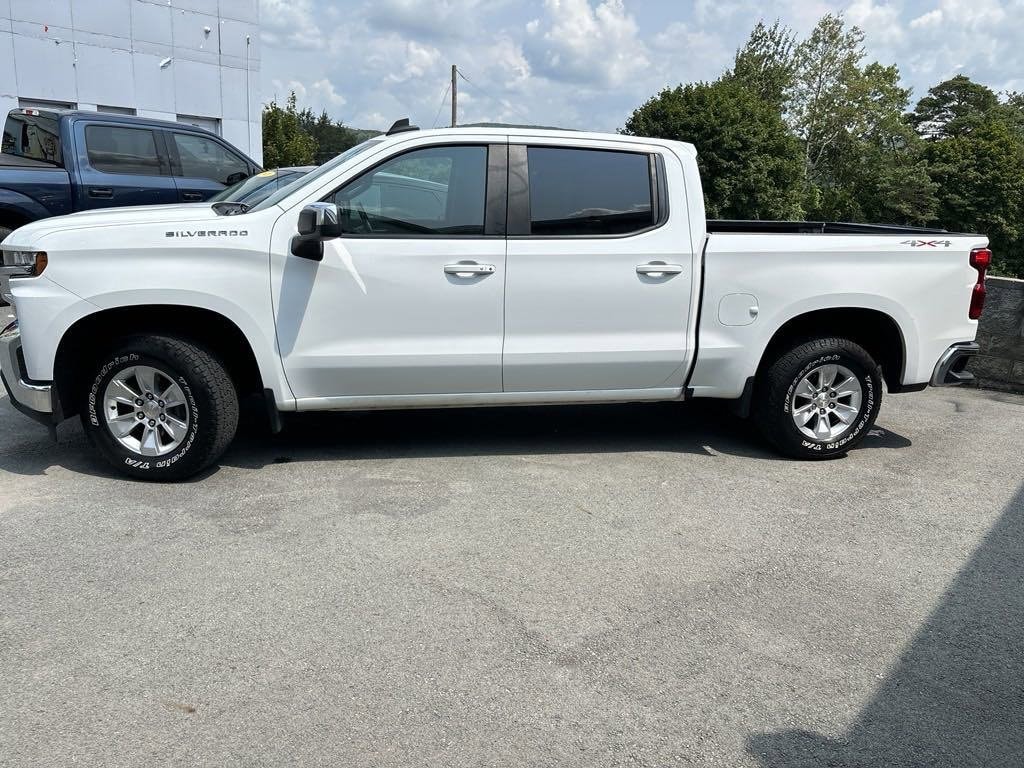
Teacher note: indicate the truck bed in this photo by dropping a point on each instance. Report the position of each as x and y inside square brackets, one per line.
[757, 227]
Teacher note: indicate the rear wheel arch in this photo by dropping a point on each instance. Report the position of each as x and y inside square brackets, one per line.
[876, 331]
[96, 334]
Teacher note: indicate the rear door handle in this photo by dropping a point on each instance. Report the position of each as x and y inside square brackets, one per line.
[658, 269]
[105, 192]
[195, 196]
[471, 269]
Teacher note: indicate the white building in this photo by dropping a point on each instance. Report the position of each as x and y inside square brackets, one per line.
[193, 61]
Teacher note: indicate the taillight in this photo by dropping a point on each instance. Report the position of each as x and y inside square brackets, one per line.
[981, 260]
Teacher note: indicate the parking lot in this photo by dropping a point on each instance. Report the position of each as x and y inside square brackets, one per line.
[629, 585]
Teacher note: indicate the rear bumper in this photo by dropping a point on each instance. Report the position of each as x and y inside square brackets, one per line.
[949, 371]
[33, 398]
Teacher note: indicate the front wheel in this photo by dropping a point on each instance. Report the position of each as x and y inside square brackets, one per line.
[160, 408]
[819, 399]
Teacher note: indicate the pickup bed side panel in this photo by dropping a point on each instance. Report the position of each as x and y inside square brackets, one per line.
[31, 194]
[925, 289]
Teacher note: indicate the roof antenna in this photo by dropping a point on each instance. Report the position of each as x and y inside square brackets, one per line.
[401, 126]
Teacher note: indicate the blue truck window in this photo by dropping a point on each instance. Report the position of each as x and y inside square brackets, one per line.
[112, 149]
[203, 158]
[32, 136]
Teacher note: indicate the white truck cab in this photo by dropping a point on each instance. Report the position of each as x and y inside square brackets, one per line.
[475, 266]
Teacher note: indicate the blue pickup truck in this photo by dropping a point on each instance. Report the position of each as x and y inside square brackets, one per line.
[56, 161]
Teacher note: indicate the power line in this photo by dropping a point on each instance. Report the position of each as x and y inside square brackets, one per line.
[502, 102]
[441, 105]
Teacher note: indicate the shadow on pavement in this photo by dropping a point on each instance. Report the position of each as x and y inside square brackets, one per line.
[956, 695]
[704, 428]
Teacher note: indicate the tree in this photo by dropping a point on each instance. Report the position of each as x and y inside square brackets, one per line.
[820, 108]
[285, 143]
[332, 137]
[766, 63]
[750, 164]
[953, 108]
[980, 178]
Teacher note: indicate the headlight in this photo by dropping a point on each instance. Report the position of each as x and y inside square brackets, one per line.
[23, 263]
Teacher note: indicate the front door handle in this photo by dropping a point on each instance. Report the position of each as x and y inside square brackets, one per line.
[104, 192]
[658, 269]
[471, 269]
[191, 196]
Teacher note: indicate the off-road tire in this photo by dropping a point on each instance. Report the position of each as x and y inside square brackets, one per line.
[210, 397]
[773, 397]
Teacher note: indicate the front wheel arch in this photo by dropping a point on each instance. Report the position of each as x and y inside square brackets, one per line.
[94, 335]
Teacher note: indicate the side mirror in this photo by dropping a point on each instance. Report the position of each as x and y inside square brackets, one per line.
[317, 222]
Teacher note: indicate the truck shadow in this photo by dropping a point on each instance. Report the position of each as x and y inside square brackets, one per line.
[706, 429]
[955, 697]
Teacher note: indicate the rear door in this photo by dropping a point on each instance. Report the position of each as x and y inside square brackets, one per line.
[203, 165]
[120, 165]
[598, 287]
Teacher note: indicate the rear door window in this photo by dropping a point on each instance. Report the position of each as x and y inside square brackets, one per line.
[589, 192]
[114, 149]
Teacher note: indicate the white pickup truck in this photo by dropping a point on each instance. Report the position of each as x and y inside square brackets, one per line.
[470, 267]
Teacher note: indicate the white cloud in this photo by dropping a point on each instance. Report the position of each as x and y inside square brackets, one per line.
[290, 24]
[589, 63]
[319, 96]
[576, 42]
[931, 19]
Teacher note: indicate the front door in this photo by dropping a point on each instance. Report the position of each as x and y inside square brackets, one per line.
[203, 166]
[598, 290]
[409, 300]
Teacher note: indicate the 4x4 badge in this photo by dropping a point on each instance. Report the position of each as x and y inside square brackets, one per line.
[928, 243]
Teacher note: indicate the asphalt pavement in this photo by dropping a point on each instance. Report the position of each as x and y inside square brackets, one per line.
[585, 586]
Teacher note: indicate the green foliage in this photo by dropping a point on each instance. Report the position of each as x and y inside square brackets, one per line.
[749, 161]
[332, 137]
[285, 143]
[807, 127]
[766, 63]
[980, 177]
[954, 108]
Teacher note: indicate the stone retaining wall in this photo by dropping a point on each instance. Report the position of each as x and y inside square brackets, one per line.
[1001, 337]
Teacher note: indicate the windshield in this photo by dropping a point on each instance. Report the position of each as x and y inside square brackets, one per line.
[311, 177]
[33, 136]
[256, 188]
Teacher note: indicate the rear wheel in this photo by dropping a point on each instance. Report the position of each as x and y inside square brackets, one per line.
[819, 398]
[159, 408]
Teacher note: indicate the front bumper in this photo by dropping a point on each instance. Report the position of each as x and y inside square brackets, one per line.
[950, 370]
[33, 398]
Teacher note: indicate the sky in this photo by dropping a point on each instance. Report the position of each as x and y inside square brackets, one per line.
[587, 64]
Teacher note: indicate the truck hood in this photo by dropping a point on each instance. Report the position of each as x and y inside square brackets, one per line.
[27, 235]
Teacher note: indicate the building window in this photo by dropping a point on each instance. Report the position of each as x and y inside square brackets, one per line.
[115, 110]
[44, 104]
[211, 124]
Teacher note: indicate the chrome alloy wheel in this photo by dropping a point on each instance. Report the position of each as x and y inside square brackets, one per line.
[145, 411]
[826, 402]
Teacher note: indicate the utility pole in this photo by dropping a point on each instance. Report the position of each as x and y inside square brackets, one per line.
[455, 95]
